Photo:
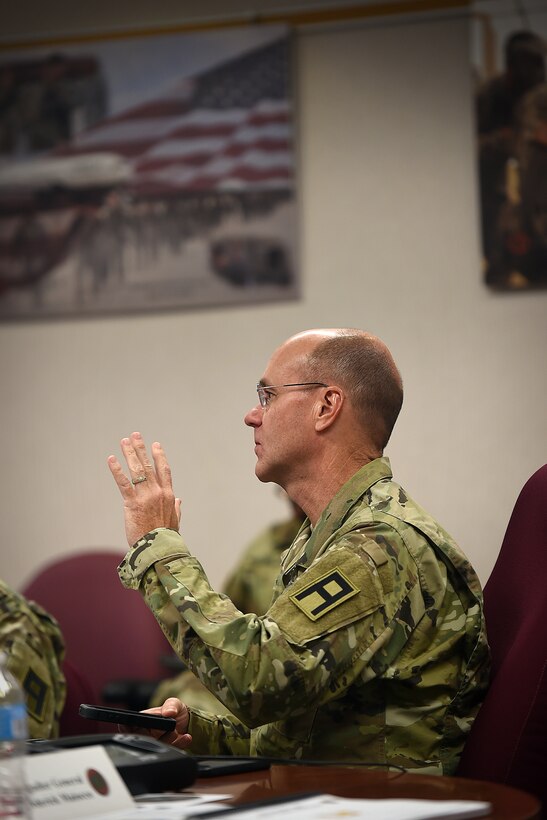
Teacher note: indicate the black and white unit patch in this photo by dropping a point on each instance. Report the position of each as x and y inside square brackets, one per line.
[324, 594]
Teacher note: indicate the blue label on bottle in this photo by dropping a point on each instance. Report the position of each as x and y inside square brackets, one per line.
[13, 722]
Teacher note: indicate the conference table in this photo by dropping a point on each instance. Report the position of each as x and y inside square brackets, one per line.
[282, 780]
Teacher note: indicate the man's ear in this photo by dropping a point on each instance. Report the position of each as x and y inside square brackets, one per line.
[328, 408]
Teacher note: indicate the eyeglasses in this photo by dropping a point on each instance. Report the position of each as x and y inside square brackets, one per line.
[264, 396]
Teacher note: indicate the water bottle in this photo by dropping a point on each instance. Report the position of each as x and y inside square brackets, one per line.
[13, 734]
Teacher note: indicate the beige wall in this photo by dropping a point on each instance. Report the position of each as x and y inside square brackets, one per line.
[389, 243]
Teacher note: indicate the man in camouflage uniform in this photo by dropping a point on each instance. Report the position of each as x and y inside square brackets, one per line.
[33, 645]
[374, 648]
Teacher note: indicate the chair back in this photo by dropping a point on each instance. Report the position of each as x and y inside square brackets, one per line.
[78, 690]
[508, 741]
[110, 634]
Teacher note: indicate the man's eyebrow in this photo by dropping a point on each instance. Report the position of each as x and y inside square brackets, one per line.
[262, 383]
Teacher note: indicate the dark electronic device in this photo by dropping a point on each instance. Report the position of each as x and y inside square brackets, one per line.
[218, 765]
[126, 717]
[145, 764]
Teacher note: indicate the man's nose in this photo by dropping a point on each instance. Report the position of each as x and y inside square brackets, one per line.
[254, 417]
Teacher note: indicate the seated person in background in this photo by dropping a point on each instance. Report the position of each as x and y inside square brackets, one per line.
[250, 587]
[34, 648]
[374, 647]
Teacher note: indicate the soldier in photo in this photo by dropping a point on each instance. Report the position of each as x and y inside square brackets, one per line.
[502, 115]
[531, 262]
[374, 646]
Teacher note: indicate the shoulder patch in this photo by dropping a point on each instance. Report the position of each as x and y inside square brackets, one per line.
[339, 589]
[36, 691]
[324, 594]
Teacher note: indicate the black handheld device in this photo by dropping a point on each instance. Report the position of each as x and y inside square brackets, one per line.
[126, 717]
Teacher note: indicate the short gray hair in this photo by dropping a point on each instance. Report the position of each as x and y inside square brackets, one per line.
[362, 365]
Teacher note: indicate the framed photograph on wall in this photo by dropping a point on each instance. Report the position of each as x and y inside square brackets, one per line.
[509, 54]
[147, 172]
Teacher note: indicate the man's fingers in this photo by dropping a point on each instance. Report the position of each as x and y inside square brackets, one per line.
[176, 740]
[133, 463]
[133, 458]
[140, 451]
[139, 463]
[163, 470]
[124, 485]
[173, 707]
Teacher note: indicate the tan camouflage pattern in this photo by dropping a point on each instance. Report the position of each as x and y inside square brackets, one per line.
[395, 673]
[250, 587]
[190, 691]
[34, 647]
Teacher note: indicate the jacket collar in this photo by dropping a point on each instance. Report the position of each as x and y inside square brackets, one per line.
[309, 543]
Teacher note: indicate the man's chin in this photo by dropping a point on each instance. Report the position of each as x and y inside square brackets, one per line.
[261, 472]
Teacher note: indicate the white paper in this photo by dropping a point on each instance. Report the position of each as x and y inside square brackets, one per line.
[168, 807]
[329, 807]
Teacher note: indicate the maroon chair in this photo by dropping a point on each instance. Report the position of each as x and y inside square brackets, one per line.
[109, 632]
[508, 741]
[78, 690]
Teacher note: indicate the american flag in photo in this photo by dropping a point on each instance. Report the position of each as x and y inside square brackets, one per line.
[227, 129]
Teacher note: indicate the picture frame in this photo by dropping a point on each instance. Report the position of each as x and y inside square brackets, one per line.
[148, 172]
[509, 54]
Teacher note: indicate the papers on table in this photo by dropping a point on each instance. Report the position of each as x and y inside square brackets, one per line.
[329, 807]
[316, 807]
[169, 807]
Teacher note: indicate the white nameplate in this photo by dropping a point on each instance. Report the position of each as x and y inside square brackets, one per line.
[74, 783]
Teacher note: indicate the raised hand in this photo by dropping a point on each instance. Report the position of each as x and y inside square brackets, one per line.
[148, 498]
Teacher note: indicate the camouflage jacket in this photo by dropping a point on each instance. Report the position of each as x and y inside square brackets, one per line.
[374, 648]
[34, 647]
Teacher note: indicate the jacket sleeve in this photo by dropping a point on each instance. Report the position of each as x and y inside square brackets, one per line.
[334, 623]
[218, 735]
